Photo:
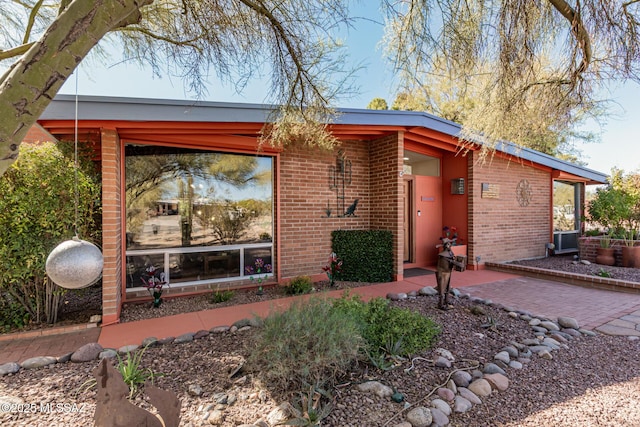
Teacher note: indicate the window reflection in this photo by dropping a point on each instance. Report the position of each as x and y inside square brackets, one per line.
[564, 206]
[179, 198]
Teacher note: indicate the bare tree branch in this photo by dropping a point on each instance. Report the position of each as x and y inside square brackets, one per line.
[579, 31]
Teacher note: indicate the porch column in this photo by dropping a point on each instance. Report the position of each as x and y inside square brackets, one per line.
[111, 226]
[387, 207]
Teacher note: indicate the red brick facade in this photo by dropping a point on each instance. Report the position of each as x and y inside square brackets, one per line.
[495, 223]
[386, 192]
[500, 228]
[304, 231]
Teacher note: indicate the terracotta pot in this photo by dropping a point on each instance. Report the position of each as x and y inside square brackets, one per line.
[605, 256]
[631, 256]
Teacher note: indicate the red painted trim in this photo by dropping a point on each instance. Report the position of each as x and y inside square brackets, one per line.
[277, 207]
[565, 176]
[418, 147]
[420, 139]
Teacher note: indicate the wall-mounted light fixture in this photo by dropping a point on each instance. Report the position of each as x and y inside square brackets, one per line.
[457, 186]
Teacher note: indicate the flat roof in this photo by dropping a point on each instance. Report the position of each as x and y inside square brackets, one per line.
[103, 108]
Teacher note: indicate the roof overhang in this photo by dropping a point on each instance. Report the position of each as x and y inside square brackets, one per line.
[239, 125]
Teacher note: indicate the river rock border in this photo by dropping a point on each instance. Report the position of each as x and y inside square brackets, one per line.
[465, 388]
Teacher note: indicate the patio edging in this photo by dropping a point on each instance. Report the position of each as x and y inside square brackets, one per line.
[567, 277]
[56, 330]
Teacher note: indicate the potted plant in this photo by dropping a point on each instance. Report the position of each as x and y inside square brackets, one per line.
[630, 252]
[605, 255]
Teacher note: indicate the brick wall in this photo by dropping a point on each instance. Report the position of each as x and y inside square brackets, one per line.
[500, 229]
[304, 228]
[111, 227]
[37, 133]
[386, 191]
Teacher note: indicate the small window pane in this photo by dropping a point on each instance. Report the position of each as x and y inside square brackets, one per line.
[204, 265]
[257, 261]
[138, 264]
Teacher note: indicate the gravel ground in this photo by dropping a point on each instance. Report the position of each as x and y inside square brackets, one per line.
[595, 382]
[566, 263]
[171, 306]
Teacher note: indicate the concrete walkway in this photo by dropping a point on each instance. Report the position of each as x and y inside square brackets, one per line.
[610, 312]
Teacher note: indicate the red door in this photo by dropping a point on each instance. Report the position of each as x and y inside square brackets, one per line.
[428, 216]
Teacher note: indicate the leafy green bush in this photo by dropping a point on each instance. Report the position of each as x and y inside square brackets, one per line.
[390, 330]
[219, 296]
[12, 314]
[299, 285]
[616, 207]
[308, 344]
[367, 255]
[38, 212]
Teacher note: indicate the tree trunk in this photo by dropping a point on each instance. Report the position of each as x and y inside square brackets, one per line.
[29, 86]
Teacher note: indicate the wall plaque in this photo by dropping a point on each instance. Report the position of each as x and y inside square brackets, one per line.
[490, 191]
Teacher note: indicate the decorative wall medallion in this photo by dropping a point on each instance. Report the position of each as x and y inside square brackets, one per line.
[523, 192]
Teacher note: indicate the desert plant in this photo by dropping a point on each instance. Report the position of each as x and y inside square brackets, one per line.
[311, 408]
[133, 374]
[219, 296]
[605, 241]
[617, 206]
[265, 236]
[299, 285]
[629, 237]
[603, 273]
[309, 343]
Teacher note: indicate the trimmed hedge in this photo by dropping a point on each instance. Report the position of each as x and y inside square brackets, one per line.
[367, 255]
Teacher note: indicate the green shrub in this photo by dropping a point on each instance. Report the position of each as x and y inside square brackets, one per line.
[38, 212]
[367, 255]
[389, 330]
[308, 344]
[219, 296]
[299, 285]
[12, 315]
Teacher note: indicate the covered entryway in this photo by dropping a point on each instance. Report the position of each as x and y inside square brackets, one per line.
[422, 198]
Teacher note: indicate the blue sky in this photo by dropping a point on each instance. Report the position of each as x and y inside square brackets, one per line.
[617, 149]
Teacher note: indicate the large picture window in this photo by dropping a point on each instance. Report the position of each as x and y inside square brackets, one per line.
[198, 215]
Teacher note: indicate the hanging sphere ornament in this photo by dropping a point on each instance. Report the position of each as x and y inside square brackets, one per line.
[75, 264]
